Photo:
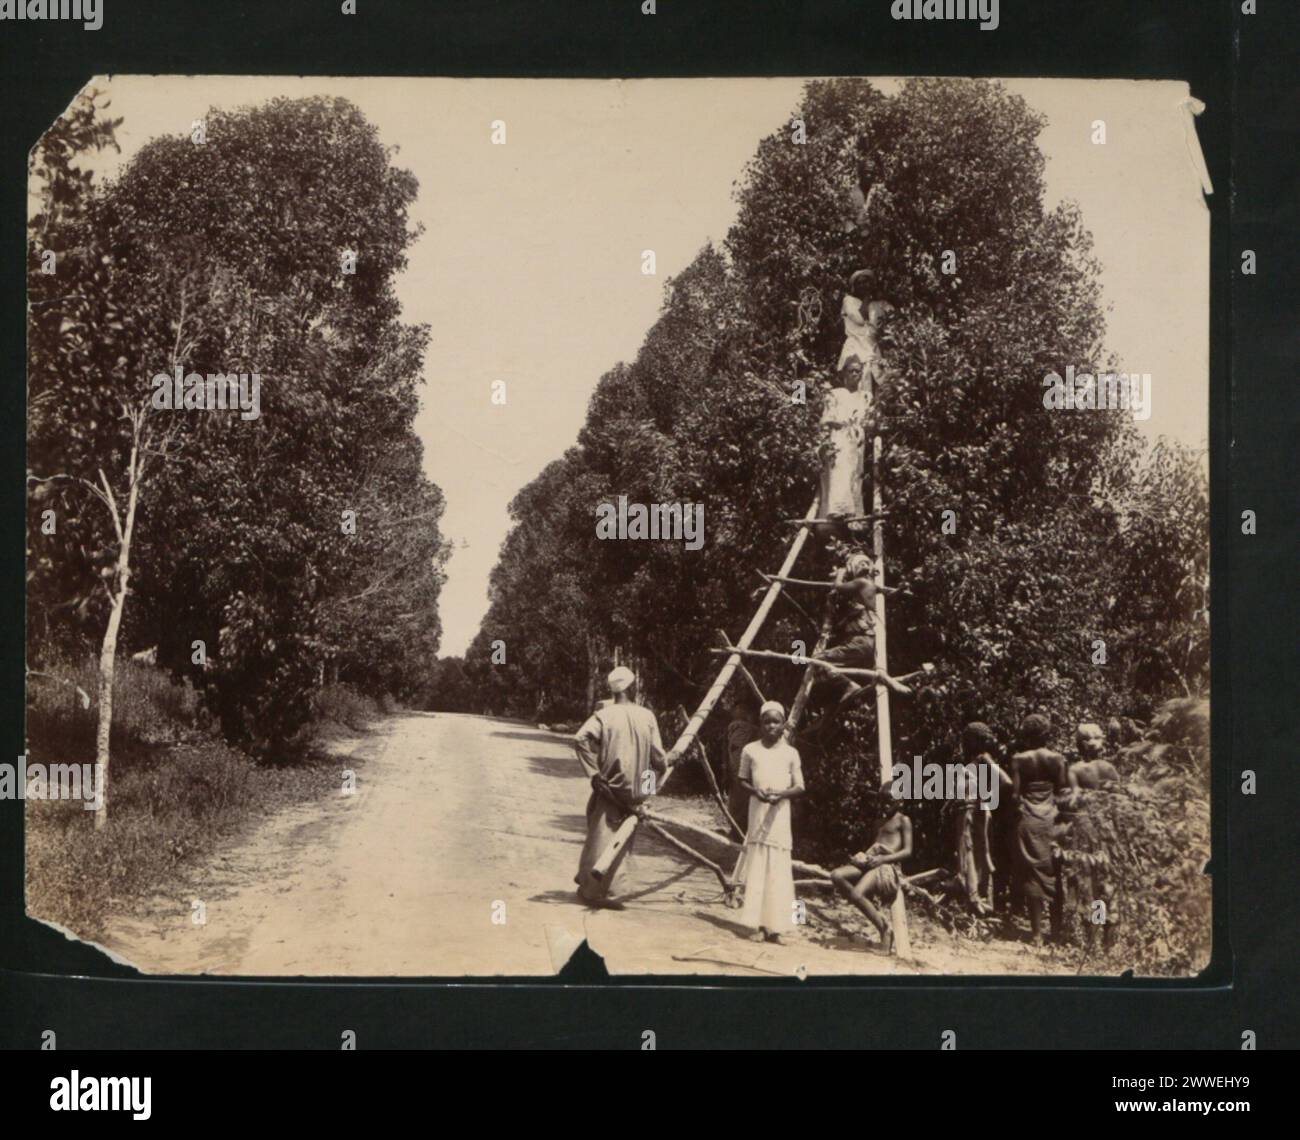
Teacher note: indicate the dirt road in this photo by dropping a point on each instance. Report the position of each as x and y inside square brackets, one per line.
[455, 856]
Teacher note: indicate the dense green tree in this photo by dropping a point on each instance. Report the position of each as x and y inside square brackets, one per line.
[938, 192]
[301, 544]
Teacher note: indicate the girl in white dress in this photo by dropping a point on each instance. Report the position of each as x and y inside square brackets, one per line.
[770, 771]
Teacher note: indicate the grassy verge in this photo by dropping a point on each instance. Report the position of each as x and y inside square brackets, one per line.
[176, 789]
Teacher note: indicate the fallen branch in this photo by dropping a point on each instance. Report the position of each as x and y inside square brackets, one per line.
[728, 962]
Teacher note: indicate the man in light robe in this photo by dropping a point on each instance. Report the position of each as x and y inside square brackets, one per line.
[621, 752]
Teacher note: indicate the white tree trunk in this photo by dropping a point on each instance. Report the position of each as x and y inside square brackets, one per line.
[107, 662]
[108, 651]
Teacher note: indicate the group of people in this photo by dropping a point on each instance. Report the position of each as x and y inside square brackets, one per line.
[999, 859]
[620, 744]
[1016, 854]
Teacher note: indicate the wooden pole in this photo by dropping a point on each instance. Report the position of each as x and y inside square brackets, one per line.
[803, 868]
[898, 911]
[813, 663]
[752, 685]
[745, 674]
[660, 830]
[809, 674]
[746, 639]
[796, 711]
[713, 782]
[628, 827]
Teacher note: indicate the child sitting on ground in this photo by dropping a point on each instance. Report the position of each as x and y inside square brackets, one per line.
[872, 879]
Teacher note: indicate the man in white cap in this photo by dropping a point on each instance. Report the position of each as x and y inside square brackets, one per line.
[618, 747]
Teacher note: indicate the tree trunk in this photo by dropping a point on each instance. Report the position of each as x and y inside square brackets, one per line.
[107, 662]
[108, 651]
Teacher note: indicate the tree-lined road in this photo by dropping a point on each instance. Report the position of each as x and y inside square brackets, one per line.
[455, 856]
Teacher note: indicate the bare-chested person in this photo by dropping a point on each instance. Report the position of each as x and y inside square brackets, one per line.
[1091, 771]
[1039, 779]
[853, 630]
[970, 820]
[1093, 882]
[872, 878]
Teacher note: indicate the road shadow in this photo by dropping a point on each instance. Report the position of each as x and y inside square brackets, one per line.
[730, 925]
[571, 898]
[663, 884]
[850, 943]
[574, 824]
[535, 736]
[562, 767]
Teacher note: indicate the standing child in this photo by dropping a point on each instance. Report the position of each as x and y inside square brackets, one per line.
[771, 773]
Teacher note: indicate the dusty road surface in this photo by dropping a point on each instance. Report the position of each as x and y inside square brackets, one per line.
[455, 856]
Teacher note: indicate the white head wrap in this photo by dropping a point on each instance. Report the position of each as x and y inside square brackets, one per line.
[619, 679]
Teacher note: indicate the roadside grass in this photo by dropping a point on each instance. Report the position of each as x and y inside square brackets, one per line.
[175, 789]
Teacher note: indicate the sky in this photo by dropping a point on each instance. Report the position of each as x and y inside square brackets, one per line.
[529, 270]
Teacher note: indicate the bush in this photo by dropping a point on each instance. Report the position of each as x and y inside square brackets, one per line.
[345, 705]
[149, 708]
[1155, 836]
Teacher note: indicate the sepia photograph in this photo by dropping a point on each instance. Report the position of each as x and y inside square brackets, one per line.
[750, 527]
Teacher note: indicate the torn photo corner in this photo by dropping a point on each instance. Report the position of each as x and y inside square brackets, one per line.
[667, 527]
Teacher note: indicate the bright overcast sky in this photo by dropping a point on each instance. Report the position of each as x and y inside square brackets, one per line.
[529, 270]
